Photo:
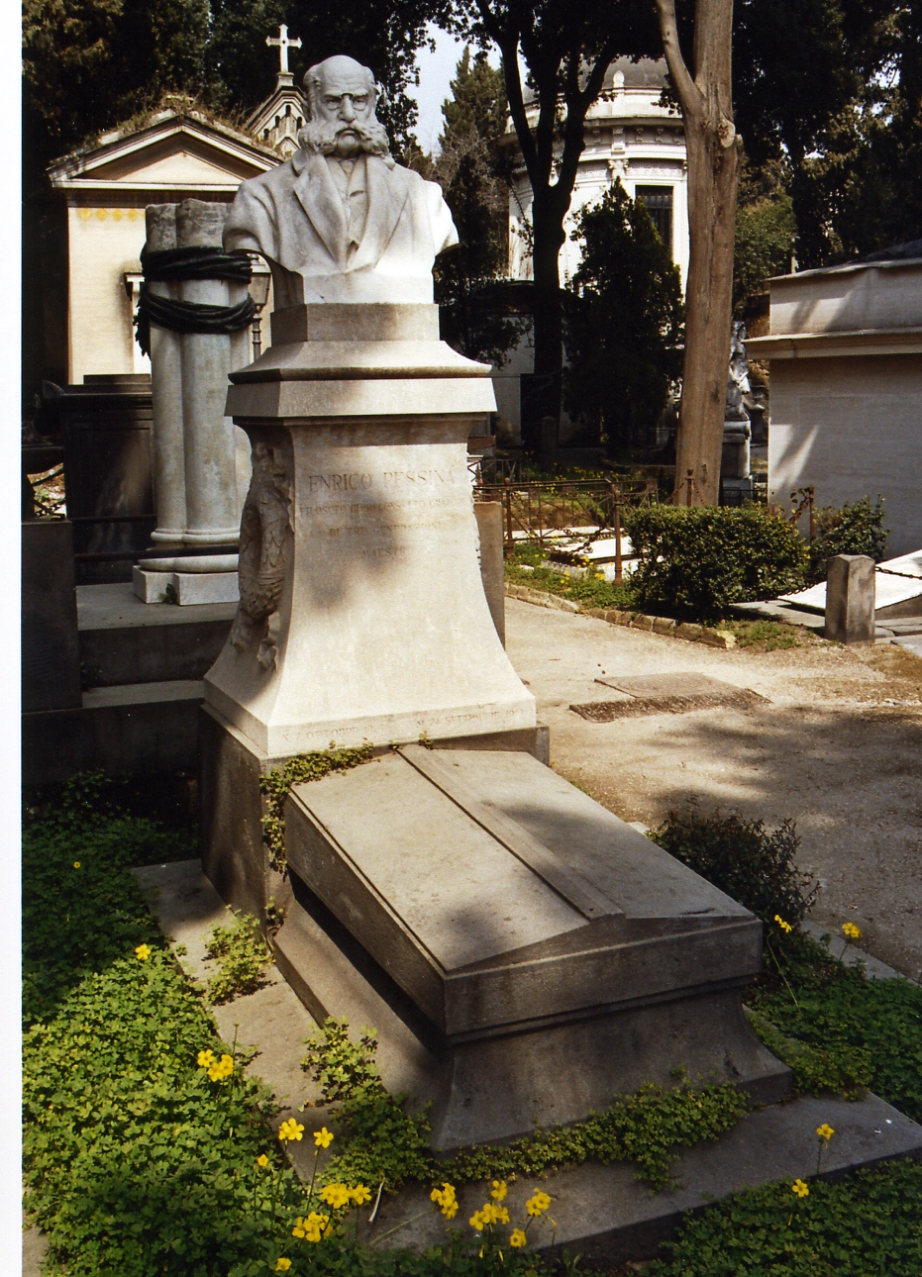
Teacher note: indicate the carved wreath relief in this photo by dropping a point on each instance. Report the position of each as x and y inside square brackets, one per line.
[264, 549]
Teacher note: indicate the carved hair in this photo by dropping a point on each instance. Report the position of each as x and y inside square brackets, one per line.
[319, 136]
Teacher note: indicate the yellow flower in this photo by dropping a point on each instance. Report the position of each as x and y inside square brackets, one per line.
[290, 1130]
[205, 1059]
[360, 1194]
[335, 1195]
[262, 1161]
[499, 1190]
[76, 864]
[298, 1230]
[825, 1132]
[517, 1237]
[282, 1265]
[477, 1221]
[445, 1196]
[800, 1188]
[315, 1226]
[785, 926]
[851, 931]
[223, 1069]
[537, 1204]
[142, 953]
[322, 1138]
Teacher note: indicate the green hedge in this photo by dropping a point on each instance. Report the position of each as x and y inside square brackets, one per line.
[854, 528]
[698, 561]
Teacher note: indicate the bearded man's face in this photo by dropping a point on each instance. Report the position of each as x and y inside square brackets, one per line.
[343, 116]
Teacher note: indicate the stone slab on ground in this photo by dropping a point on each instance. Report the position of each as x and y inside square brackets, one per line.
[850, 954]
[272, 1020]
[604, 1212]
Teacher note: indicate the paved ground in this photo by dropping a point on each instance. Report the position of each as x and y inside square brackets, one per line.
[839, 749]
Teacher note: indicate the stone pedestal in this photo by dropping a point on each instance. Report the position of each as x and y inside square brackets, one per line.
[850, 599]
[362, 616]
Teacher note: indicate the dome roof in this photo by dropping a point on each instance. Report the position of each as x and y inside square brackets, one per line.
[645, 74]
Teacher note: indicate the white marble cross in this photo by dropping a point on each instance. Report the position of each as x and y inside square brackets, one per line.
[283, 44]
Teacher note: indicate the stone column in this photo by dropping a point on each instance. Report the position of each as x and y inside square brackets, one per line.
[211, 481]
[166, 391]
[850, 599]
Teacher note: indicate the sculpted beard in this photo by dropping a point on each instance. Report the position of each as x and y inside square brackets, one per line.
[319, 136]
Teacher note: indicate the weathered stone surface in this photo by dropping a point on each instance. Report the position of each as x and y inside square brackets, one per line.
[850, 592]
[350, 628]
[489, 515]
[548, 938]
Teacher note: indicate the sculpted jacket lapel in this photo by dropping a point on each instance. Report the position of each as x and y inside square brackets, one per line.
[387, 191]
[321, 202]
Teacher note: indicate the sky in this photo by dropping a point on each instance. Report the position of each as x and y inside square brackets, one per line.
[436, 71]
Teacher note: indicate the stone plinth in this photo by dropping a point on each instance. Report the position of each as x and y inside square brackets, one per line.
[850, 599]
[363, 615]
[492, 921]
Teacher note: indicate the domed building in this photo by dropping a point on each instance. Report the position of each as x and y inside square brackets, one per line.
[629, 134]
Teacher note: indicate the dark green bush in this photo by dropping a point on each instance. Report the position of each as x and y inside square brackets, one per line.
[855, 528]
[745, 860]
[698, 561]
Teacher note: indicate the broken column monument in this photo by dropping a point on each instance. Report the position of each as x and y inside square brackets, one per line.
[201, 462]
[523, 953]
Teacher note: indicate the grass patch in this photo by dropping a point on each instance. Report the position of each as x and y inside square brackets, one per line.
[528, 566]
[767, 636]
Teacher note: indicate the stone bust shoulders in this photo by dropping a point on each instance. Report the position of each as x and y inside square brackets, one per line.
[341, 221]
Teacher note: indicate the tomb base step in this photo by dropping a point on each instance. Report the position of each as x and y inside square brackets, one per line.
[498, 1087]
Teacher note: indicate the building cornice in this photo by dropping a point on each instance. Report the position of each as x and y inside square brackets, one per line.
[865, 341]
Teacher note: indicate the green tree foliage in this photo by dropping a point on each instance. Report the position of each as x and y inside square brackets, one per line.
[765, 231]
[624, 321]
[473, 171]
[836, 86]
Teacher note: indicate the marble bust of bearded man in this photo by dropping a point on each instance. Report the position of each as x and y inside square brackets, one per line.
[341, 221]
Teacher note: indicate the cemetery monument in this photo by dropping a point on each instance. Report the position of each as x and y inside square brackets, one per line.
[489, 919]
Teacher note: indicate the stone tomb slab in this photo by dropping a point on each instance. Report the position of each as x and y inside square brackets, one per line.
[511, 924]
[674, 693]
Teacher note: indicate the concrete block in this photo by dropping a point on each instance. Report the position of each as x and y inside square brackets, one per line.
[850, 594]
[664, 625]
[151, 587]
[688, 631]
[206, 587]
[718, 638]
[641, 622]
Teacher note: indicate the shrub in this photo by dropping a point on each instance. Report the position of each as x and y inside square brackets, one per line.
[743, 859]
[698, 561]
[855, 528]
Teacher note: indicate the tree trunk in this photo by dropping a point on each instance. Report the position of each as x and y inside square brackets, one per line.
[547, 309]
[713, 154]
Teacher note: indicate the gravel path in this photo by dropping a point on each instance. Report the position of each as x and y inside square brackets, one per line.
[838, 749]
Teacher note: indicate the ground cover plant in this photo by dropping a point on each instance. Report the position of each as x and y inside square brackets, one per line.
[242, 956]
[837, 1029]
[866, 1225]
